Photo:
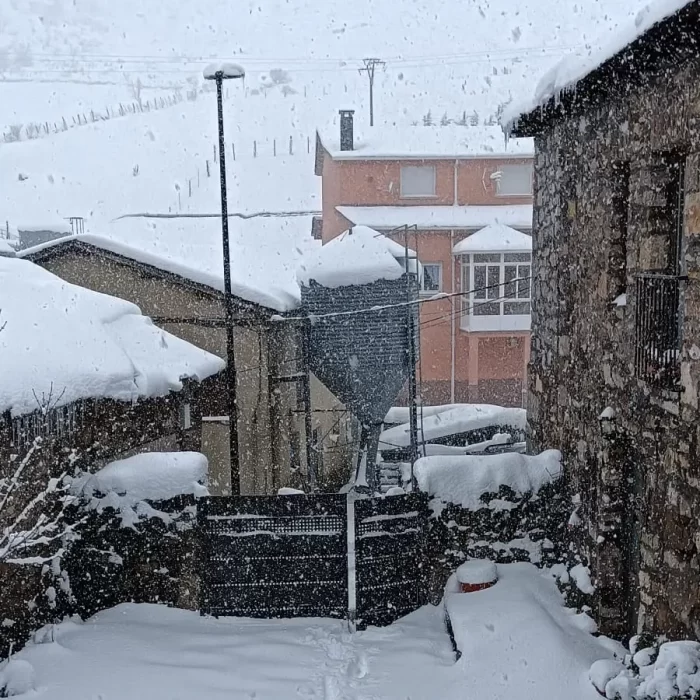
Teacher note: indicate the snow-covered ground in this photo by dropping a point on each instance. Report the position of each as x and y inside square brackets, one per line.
[517, 639]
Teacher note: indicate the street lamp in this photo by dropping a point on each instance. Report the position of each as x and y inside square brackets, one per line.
[219, 73]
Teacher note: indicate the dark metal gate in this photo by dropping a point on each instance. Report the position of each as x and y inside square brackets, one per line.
[281, 556]
[389, 557]
[287, 556]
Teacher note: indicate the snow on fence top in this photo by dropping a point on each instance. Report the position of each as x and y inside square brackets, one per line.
[456, 419]
[421, 142]
[358, 256]
[55, 226]
[60, 343]
[462, 480]
[575, 67]
[471, 217]
[494, 237]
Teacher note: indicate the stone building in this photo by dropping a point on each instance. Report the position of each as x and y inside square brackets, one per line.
[615, 366]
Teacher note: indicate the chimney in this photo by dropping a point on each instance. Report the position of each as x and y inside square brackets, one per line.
[347, 135]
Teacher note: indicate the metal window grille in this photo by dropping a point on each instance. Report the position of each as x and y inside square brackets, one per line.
[657, 330]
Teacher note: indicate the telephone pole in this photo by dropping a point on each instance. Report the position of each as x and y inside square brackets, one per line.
[370, 65]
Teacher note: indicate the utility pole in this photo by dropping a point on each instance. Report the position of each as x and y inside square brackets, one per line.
[370, 65]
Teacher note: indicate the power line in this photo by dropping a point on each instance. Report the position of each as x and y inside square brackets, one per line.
[370, 65]
[386, 307]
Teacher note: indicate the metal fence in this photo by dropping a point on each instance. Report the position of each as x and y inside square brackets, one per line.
[302, 556]
[657, 330]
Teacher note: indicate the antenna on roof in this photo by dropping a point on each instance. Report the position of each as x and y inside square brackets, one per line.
[370, 65]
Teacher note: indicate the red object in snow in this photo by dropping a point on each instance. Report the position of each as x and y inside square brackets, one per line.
[473, 587]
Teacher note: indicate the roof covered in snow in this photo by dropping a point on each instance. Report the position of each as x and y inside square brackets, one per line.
[441, 217]
[262, 268]
[426, 142]
[581, 70]
[360, 255]
[494, 237]
[61, 343]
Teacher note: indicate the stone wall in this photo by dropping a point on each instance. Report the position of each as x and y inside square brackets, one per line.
[638, 476]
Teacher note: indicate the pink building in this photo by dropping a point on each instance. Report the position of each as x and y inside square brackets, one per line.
[467, 194]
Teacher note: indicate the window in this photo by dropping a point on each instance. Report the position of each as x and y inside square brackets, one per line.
[617, 259]
[515, 180]
[432, 278]
[418, 181]
[498, 286]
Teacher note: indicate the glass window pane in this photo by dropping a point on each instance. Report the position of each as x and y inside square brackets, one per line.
[479, 282]
[524, 284]
[486, 308]
[494, 279]
[516, 308]
[510, 272]
[466, 275]
[487, 257]
[465, 260]
[515, 180]
[432, 277]
[517, 257]
[418, 181]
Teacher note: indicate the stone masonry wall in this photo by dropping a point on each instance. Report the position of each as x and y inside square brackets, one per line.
[637, 477]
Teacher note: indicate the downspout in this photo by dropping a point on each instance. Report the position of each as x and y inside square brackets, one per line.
[453, 316]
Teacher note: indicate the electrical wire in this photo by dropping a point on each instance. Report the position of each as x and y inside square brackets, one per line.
[385, 307]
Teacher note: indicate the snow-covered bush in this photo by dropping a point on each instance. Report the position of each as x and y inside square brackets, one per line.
[504, 508]
[136, 541]
[653, 670]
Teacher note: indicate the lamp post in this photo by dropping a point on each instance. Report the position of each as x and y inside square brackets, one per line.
[219, 73]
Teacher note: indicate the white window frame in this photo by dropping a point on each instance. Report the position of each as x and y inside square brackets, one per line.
[512, 166]
[426, 195]
[430, 292]
[491, 270]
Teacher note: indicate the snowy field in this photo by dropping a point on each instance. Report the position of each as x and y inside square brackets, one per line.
[518, 643]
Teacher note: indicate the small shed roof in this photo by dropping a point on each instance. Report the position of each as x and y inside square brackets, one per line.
[496, 237]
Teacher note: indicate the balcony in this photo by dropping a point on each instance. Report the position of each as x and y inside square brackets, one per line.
[657, 330]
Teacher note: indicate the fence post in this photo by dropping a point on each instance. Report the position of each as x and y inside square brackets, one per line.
[291, 145]
[189, 186]
[233, 150]
[208, 171]
[255, 148]
[274, 147]
[308, 144]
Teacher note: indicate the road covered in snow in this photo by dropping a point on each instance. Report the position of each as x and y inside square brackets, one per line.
[518, 642]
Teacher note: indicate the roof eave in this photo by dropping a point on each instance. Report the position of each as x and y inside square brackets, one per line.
[665, 43]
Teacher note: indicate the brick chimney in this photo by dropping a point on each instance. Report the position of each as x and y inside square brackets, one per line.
[347, 131]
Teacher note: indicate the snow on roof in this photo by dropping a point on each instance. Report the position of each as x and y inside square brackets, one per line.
[574, 67]
[422, 142]
[264, 253]
[358, 256]
[463, 480]
[62, 343]
[441, 217]
[456, 419]
[494, 237]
